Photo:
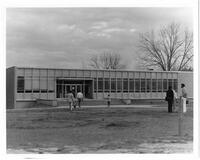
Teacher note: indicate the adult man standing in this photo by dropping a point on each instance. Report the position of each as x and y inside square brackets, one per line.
[174, 102]
[184, 97]
[170, 99]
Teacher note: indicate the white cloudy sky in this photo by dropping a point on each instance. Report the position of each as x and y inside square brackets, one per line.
[68, 37]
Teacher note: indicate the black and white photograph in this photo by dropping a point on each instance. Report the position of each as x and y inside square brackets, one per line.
[100, 80]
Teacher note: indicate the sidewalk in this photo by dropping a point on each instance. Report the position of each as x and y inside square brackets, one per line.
[97, 106]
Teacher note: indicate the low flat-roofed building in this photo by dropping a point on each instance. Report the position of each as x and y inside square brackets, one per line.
[25, 85]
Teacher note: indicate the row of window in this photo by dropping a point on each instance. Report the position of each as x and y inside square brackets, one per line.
[34, 85]
[134, 85]
[102, 85]
[35, 91]
[33, 72]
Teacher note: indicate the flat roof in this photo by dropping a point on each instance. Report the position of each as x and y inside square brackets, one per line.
[111, 70]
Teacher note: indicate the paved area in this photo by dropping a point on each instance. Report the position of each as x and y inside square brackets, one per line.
[43, 107]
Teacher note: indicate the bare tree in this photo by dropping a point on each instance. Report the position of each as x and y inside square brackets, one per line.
[107, 60]
[168, 50]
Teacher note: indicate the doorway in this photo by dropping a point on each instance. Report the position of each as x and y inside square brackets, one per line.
[65, 86]
[75, 88]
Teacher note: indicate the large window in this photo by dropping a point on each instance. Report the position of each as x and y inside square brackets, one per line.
[154, 85]
[137, 85]
[51, 85]
[59, 91]
[143, 85]
[100, 84]
[35, 85]
[119, 84]
[165, 86]
[125, 85]
[95, 85]
[20, 84]
[28, 85]
[170, 83]
[148, 85]
[176, 85]
[43, 84]
[113, 84]
[159, 85]
[131, 85]
[107, 84]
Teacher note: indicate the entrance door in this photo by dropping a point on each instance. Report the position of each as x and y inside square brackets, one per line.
[79, 88]
[64, 87]
[75, 88]
[67, 89]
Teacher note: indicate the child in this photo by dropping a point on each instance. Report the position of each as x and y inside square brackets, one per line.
[70, 100]
[108, 100]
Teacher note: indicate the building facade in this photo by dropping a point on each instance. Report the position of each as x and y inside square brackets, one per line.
[25, 85]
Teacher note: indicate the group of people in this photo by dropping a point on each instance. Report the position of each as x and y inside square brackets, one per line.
[171, 98]
[74, 99]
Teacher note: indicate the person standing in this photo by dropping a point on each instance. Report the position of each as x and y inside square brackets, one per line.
[184, 97]
[80, 98]
[175, 101]
[170, 99]
[108, 100]
[70, 99]
[74, 95]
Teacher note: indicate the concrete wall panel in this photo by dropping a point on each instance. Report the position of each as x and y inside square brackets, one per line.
[36, 72]
[20, 72]
[66, 73]
[142, 75]
[118, 74]
[19, 96]
[93, 74]
[100, 74]
[87, 74]
[10, 88]
[106, 74]
[43, 96]
[43, 73]
[51, 96]
[112, 74]
[72, 73]
[25, 104]
[148, 75]
[164, 75]
[51, 72]
[28, 72]
[137, 75]
[58, 73]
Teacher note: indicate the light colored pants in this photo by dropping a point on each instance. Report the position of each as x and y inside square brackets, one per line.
[184, 105]
[70, 105]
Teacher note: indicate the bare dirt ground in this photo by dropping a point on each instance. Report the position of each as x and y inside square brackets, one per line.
[98, 130]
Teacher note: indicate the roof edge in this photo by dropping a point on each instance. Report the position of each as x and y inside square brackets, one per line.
[118, 70]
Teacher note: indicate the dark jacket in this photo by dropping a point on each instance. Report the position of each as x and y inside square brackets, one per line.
[170, 95]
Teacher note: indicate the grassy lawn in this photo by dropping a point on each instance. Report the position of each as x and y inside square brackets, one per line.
[98, 130]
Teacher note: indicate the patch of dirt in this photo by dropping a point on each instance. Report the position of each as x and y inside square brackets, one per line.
[122, 124]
